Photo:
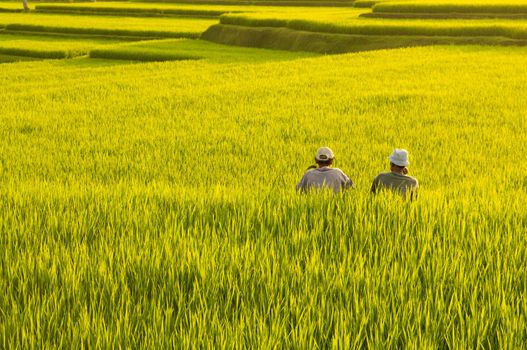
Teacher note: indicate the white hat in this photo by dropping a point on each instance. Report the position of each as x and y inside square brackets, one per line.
[399, 157]
[324, 154]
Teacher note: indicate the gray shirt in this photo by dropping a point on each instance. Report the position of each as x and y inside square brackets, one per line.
[396, 182]
[325, 177]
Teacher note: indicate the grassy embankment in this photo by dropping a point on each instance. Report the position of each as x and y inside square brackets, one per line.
[14, 6]
[281, 3]
[450, 10]
[127, 10]
[49, 47]
[180, 49]
[352, 33]
[154, 206]
[65, 36]
[110, 26]
[502, 28]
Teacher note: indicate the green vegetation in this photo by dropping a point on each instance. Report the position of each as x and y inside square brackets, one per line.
[48, 47]
[181, 49]
[129, 11]
[451, 7]
[504, 28]
[12, 6]
[106, 25]
[121, 5]
[448, 10]
[295, 40]
[365, 3]
[153, 205]
[294, 3]
[11, 58]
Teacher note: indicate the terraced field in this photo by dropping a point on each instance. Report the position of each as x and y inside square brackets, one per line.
[49, 47]
[181, 49]
[153, 204]
[105, 25]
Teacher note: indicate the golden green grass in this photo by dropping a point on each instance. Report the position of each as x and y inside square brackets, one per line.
[49, 46]
[153, 205]
[435, 6]
[172, 6]
[269, 11]
[513, 29]
[14, 5]
[105, 24]
[179, 49]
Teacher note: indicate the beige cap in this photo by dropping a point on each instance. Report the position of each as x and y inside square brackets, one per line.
[324, 154]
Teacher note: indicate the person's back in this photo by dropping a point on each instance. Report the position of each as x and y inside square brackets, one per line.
[397, 179]
[400, 183]
[324, 176]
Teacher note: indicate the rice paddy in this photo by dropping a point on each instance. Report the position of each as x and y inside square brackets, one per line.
[181, 49]
[105, 25]
[153, 204]
[49, 47]
[504, 28]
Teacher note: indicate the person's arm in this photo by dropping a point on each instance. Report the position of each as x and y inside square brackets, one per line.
[302, 185]
[413, 192]
[347, 183]
[375, 185]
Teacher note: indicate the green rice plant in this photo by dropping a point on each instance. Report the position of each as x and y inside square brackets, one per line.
[58, 54]
[154, 205]
[329, 43]
[503, 28]
[48, 47]
[123, 11]
[365, 3]
[451, 7]
[96, 31]
[274, 3]
[140, 55]
[181, 49]
[12, 6]
[11, 58]
[106, 25]
[191, 7]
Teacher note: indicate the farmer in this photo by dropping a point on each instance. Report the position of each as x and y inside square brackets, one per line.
[397, 179]
[324, 176]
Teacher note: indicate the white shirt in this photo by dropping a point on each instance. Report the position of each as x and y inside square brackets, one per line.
[324, 177]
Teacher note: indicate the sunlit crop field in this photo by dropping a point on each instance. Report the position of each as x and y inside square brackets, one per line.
[105, 24]
[49, 47]
[354, 25]
[154, 205]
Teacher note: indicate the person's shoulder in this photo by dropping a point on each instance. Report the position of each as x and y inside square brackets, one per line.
[412, 179]
[309, 173]
[339, 171]
[382, 175]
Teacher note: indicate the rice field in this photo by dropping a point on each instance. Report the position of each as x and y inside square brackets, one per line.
[488, 27]
[181, 49]
[153, 205]
[451, 7]
[49, 47]
[13, 5]
[106, 25]
[144, 207]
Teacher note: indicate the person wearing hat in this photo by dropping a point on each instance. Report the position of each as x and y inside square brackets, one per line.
[324, 176]
[397, 179]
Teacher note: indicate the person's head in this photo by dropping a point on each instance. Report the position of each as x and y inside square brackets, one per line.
[399, 161]
[324, 157]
